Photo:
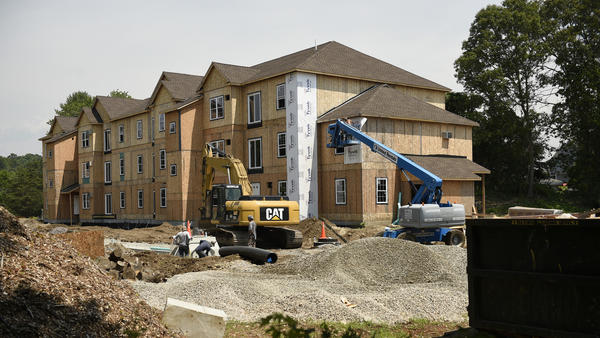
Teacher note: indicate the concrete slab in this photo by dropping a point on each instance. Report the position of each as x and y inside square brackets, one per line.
[194, 320]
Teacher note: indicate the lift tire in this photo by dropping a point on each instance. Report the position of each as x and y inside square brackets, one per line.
[407, 236]
[455, 238]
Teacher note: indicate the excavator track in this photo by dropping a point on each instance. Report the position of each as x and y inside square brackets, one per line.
[267, 237]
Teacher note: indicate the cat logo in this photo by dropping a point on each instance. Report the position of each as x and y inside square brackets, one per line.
[274, 214]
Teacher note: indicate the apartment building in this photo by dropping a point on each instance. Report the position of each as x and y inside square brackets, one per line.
[140, 160]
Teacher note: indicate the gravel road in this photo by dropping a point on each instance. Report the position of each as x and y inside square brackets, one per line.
[389, 280]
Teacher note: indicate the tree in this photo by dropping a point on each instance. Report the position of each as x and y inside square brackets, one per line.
[73, 104]
[120, 93]
[504, 62]
[21, 184]
[576, 118]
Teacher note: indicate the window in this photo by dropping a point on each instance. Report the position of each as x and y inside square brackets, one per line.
[85, 200]
[85, 139]
[255, 189]
[254, 115]
[281, 145]
[172, 128]
[152, 129]
[85, 169]
[140, 164]
[107, 177]
[218, 144]
[163, 159]
[381, 190]
[107, 204]
[340, 191]
[121, 133]
[122, 200]
[107, 140]
[161, 122]
[140, 130]
[280, 96]
[122, 166]
[50, 183]
[173, 170]
[49, 153]
[163, 197]
[339, 151]
[217, 110]
[255, 153]
[282, 188]
[140, 199]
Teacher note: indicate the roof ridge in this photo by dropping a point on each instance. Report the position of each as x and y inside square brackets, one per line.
[167, 72]
[294, 53]
[317, 51]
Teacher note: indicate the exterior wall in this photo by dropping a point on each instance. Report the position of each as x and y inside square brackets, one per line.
[61, 169]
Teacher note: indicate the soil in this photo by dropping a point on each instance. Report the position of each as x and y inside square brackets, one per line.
[311, 229]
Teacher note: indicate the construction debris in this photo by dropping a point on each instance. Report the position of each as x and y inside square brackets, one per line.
[48, 289]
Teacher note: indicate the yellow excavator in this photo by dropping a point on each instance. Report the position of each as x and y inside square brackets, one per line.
[227, 206]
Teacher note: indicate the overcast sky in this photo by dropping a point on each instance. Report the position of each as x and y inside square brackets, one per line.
[50, 49]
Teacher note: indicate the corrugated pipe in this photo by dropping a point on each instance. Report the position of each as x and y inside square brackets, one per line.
[256, 255]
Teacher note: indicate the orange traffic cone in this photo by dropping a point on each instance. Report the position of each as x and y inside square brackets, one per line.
[323, 235]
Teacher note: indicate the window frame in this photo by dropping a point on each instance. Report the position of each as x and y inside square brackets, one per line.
[281, 146]
[122, 166]
[336, 152]
[216, 144]
[140, 198]
[107, 206]
[217, 116]
[107, 146]
[163, 197]
[121, 199]
[250, 141]
[85, 139]
[139, 125]
[85, 200]
[161, 122]
[49, 153]
[345, 190]
[50, 183]
[162, 159]
[121, 133]
[377, 191]
[279, 99]
[172, 127]
[140, 164]
[259, 120]
[171, 169]
[107, 172]
[85, 169]
[279, 183]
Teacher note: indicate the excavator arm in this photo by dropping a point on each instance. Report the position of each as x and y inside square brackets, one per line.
[215, 160]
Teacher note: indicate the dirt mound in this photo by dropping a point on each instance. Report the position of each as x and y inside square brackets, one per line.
[9, 223]
[161, 266]
[311, 229]
[372, 261]
[48, 289]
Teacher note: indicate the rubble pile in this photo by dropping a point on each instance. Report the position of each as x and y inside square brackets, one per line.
[48, 289]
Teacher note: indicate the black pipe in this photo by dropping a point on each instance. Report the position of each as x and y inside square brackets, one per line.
[256, 255]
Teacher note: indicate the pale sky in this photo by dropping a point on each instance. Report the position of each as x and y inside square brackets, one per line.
[49, 49]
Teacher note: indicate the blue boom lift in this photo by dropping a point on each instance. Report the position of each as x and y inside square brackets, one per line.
[426, 219]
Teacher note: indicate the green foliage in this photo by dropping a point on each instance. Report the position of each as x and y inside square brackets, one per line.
[576, 118]
[504, 65]
[73, 104]
[21, 184]
[280, 325]
[120, 93]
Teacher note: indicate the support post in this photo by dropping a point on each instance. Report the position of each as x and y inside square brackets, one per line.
[483, 193]
[71, 208]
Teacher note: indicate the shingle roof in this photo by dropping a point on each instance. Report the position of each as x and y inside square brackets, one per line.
[117, 107]
[181, 86]
[450, 167]
[67, 123]
[53, 138]
[329, 58]
[92, 117]
[385, 101]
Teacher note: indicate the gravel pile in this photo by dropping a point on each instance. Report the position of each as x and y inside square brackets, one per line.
[389, 280]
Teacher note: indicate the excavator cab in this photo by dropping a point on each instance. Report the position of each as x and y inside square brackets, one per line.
[220, 194]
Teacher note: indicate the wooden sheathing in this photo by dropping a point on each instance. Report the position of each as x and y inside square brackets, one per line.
[434, 97]
[60, 171]
[332, 91]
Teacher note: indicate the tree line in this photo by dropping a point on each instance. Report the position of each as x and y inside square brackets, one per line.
[21, 184]
[531, 72]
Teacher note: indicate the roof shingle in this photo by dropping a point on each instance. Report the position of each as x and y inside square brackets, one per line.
[385, 101]
[450, 167]
[117, 107]
[181, 86]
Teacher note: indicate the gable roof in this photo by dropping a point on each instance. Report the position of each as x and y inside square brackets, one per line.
[117, 107]
[66, 123]
[450, 167]
[385, 101]
[180, 86]
[330, 58]
[92, 116]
